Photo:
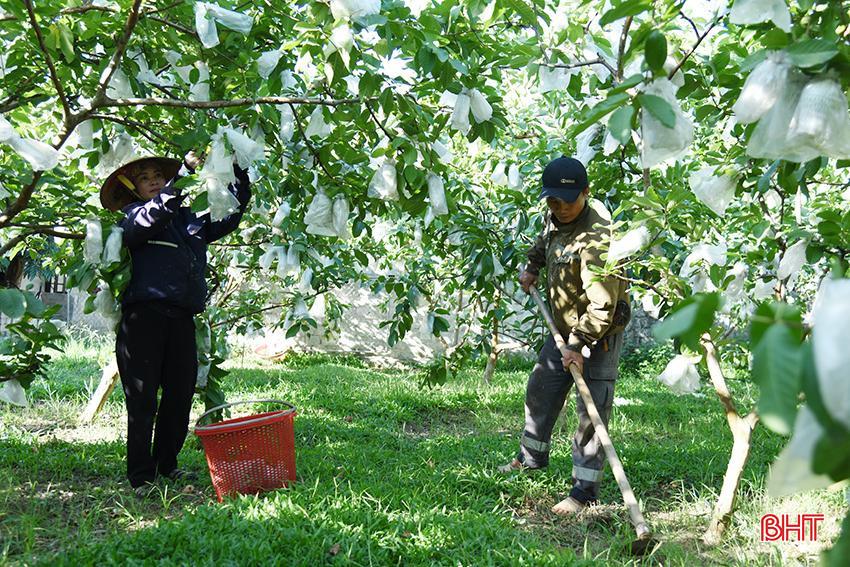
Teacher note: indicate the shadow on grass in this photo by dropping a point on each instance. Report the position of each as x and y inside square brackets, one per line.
[390, 472]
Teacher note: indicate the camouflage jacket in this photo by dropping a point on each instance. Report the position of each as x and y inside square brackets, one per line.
[583, 304]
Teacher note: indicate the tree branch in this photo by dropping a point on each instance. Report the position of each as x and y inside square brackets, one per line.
[142, 128]
[120, 47]
[310, 147]
[110, 102]
[624, 36]
[57, 84]
[694, 48]
[48, 231]
[690, 21]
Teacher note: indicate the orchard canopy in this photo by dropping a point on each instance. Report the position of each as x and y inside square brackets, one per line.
[399, 144]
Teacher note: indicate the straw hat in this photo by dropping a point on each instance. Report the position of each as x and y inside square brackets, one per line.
[118, 191]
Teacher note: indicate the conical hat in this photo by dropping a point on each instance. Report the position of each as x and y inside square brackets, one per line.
[114, 195]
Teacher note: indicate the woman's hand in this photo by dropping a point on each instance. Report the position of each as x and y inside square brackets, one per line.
[192, 160]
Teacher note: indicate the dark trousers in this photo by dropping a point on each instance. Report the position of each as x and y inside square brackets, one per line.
[155, 348]
[545, 395]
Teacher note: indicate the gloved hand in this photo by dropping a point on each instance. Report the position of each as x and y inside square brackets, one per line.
[526, 280]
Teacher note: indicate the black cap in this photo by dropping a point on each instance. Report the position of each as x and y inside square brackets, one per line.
[564, 178]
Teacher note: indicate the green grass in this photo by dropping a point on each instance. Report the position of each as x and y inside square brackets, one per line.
[389, 474]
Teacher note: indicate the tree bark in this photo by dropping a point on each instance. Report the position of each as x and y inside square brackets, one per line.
[742, 430]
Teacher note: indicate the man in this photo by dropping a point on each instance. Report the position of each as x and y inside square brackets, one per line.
[155, 342]
[591, 314]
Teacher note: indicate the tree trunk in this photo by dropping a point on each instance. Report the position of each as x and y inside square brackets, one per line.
[742, 430]
[494, 353]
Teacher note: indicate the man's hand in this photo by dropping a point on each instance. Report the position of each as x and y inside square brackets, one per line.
[526, 280]
[193, 160]
[573, 357]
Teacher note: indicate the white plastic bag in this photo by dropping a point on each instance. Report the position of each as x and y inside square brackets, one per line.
[770, 139]
[287, 123]
[205, 25]
[200, 91]
[207, 14]
[764, 289]
[267, 61]
[460, 114]
[40, 156]
[499, 177]
[236, 21]
[552, 78]
[633, 241]
[290, 263]
[341, 41]
[821, 120]
[216, 176]
[354, 9]
[610, 144]
[584, 144]
[437, 195]
[715, 191]
[746, 12]
[735, 289]
[762, 89]
[119, 86]
[106, 305]
[680, 375]
[832, 355]
[13, 393]
[317, 126]
[481, 109]
[384, 183]
[341, 211]
[514, 177]
[7, 131]
[319, 217]
[120, 152]
[661, 143]
[271, 254]
[282, 212]
[93, 245]
[247, 150]
[443, 153]
[793, 260]
[4, 193]
[305, 284]
[792, 472]
[112, 250]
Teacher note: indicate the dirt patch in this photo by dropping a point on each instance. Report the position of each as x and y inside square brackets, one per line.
[429, 423]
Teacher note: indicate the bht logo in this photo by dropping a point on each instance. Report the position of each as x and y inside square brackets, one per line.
[804, 527]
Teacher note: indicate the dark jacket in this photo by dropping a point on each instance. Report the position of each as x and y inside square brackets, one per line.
[168, 246]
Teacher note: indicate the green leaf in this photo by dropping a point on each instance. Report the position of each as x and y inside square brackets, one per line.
[597, 112]
[13, 303]
[811, 52]
[66, 42]
[659, 108]
[770, 314]
[777, 369]
[655, 50]
[625, 9]
[690, 320]
[620, 124]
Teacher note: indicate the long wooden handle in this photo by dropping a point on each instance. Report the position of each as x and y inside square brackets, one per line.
[643, 531]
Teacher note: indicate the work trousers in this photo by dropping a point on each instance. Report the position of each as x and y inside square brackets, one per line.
[546, 393]
[155, 349]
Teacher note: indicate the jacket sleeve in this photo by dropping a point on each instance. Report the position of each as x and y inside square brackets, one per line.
[145, 220]
[228, 224]
[602, 295]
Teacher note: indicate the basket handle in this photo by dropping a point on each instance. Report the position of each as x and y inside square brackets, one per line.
[230, 404]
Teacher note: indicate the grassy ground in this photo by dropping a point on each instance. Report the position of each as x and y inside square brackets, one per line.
[390, 474]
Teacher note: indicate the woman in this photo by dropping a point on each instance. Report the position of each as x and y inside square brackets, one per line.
[155, 343]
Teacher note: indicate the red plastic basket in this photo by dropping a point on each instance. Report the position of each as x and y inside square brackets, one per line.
[250, 454]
